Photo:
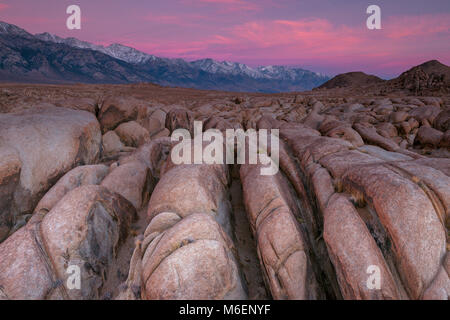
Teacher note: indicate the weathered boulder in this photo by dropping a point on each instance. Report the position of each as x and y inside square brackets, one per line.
[338, 129]
[111, 143]
[84, 231]
[161, 134]
[425, 113]
[153, 154]
[371, 136]
[281, 246]
[348, 134]
[439, 288]
[330, 124]
[387, 130]
[50, 141]
[415, 230]
[383, 109]
[433, 101]
[155, 122]
[445, 141]
[132, 180]
[117, 110]
[191, 260]
[80, 176]
[390, 210]
[85, 104]
[413, 101]
[186, 251]
[218, 123]
[132, 134]
[188, 189]
[442, 121]
[178, 118]
[399, 116]
[405, 128]
[353, 250]
[10, 166]
[434, 183]
[441, 164]
[314, 118]
[427, 136]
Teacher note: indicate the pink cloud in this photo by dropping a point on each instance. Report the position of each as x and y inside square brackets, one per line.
[3, 6]
[165, 19]
[180, 20]
[316, 43]
[310, 35]
[227, 5]
[407, 26]
[320, 42]
[313, 37]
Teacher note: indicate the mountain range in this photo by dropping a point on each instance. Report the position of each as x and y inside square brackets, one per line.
[47, 58]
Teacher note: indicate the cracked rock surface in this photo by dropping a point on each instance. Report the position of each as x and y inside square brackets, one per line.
[359, 209]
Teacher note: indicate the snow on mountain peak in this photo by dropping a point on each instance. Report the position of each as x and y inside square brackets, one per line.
[115, 50]
[133, 56]
[128, 54]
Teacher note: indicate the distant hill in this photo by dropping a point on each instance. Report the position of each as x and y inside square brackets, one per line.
[435, 67]
[46, 58]
[431, 76]
[351, 79]
[427, 78]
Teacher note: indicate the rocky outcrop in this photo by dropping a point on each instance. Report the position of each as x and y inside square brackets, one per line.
[80, 176]
[180, 119]
[82, 232]
[427, 136]
[193, 259]
[132, 180]
[382, 202]
[132, 134]
[49, 141]
[186, 251]
[111, 143]
[284, 254]
[117, 110]
[10, 166]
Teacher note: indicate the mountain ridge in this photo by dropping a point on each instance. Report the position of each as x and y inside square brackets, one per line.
[206, 73]
[134, 56]
[48, 58]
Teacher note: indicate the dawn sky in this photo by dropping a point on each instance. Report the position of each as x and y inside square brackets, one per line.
[328, 36]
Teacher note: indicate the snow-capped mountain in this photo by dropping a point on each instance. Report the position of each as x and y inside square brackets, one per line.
[263, 72]
[92, 63]
[226, 67]
[284, 72]
[115, 50]
[134, 56]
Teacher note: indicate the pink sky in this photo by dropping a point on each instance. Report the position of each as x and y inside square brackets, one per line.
[328, 36]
